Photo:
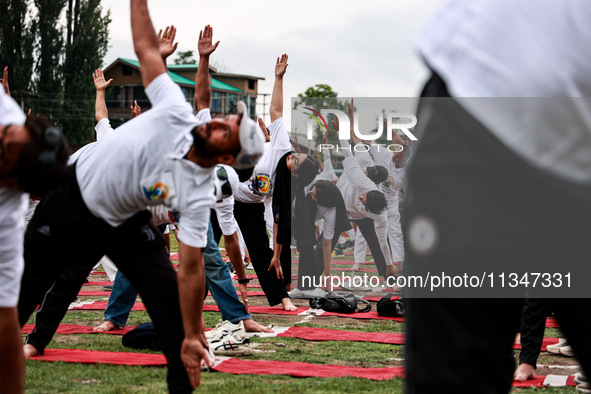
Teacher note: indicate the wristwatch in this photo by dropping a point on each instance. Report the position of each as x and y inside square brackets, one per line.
[245, 280]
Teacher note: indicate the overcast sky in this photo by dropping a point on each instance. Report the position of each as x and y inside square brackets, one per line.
[361, 49]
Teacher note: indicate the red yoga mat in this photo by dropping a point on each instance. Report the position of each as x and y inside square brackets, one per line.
[67, 329]
[552, 323]
[539, 380]
[102, 305]
[94, 293]
[324, 334]
[304, 370]
[253, 367]
[273, 310]
[545, 343]
[101, 357]
[307, 333]
[98, 283]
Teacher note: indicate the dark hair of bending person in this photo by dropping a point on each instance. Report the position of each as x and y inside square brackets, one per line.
[327, 194]
[42, 163]
[377, 174]
[304, 168]
[376, 202]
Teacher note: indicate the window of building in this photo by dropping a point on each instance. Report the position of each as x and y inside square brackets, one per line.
[251, 84]
[139, 95]
[216, 102]
[252, 103]
[186, 92]
[233, 103]
[126, 70]
[114, 97]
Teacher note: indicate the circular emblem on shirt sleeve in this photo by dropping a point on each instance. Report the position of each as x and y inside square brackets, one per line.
[423, 235]
[263, 184]
[157, 192]
[388, 182]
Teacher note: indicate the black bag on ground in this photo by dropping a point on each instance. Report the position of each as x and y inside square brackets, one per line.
[142, 337]
[391, 308]
[346, 303]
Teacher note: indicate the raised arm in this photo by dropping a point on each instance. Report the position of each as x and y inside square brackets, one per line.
[100, 106]
[351, 113]
[203, 87]
[277, 96]
[145, 42]
[167, 46]
[136, 110]
[296, 145]
[264, 129]
[346, 147]
[4, 81]
[320, 165]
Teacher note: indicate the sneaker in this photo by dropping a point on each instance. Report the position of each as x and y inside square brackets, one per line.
[108, 287]
[316, 293]
[296, 293]
[581, 378]
[567, 351]
[338, 253]
[226, 328]
[555, 349]
[349, 244]
[230, 345]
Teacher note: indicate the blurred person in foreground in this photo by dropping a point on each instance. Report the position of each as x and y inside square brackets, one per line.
[33, 157]
[488, 176]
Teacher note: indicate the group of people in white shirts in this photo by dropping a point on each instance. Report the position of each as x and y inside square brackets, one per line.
[177, 165]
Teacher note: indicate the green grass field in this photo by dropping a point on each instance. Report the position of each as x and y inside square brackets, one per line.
[44, 377]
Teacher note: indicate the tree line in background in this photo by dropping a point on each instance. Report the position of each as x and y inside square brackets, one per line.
[51, 48]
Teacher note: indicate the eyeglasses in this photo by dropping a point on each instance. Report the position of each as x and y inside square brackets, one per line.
[226, 187]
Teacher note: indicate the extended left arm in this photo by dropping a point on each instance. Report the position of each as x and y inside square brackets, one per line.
[275, 263]
[381, 226]
[191, 280]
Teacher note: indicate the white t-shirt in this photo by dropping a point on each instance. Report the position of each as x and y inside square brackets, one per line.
[396, 176]
[143, 164]
[328, 173]
[13, 206]
[224, 211]
[352, 184]
[262, 181]
[330, 218]
[520, 50]
[103, 128]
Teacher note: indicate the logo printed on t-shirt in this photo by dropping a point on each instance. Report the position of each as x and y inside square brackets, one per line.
[263, 184]
[157, 192]
[388, 182]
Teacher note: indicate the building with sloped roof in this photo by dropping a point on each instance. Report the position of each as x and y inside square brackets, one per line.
[226, 89]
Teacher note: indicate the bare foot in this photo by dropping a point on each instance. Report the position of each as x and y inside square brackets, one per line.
[106, 326]
[356, 267]
[524, 372]
[252, 326]
[30, 351]
[287, 305]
